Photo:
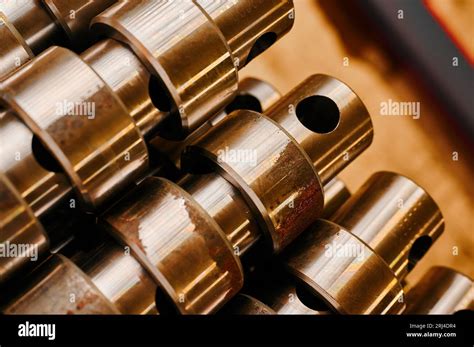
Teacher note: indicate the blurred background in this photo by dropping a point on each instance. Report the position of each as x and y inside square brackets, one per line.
[407, 56]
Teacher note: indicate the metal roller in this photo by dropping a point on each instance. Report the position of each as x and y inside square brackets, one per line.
[179, 244]
[62, 287]
[28, 27]
[253, 94]
[188, 236]
[100, 159]
[23, 237]
[83, 125]
[15, 51]
[284, 204]
[441, 290]
[346, 265]
[196, 86]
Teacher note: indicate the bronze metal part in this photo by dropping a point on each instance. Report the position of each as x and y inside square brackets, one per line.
[28, 27]
[394, 216]
[61, 287]
[101, 151]
[179, 244]
[199, 85]
[346, 266]
[285, 204]
[20, 231]
[441, 291]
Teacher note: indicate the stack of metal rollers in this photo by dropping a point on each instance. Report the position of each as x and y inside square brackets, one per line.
[139, 176]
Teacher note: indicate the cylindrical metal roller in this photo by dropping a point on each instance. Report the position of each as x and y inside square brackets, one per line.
[274, 288]
[441, 291]
[74, 17]
[250, 27]
[197, 86]
[28, 27]
[39, 187]
[253, 94]
[350, 270]
[120, 278]
[84, 125]
[22, 237]
[259, 156]
[179, 244]
[14, 52]
[61, 287]
[33, 22]
[396, 217]
[226, 206]
[342, 270]
[328, 120]
[121, 69]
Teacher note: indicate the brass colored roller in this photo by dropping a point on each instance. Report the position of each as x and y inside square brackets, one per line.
[441, 291]
[88, 116]
[356, 262]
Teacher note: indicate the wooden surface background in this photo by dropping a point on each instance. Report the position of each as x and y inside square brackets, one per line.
[420, 149]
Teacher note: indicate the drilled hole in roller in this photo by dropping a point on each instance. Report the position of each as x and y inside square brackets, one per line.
[318, 113]
[309, 299]
[418, 250]
[261, 45]
[159, 94]
[43, 156]
[244, 102]
[164, 304]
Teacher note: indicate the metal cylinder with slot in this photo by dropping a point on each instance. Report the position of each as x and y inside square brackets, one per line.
[350, 270]
[257, 154]
[187, 236]
[194, 86]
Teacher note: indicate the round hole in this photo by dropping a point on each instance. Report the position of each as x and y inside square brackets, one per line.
[418, 250]
[318, 113]
[244, 102]
[261, 45]
[164, 304]
[43, 156]
[309, 299]
[159, 95]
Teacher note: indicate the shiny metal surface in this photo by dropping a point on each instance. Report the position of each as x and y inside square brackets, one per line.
[395, 217]
[250, 26]
[98, 162]
[246, 304]
[23, 239]
[120, 278]
[357, 263]
[74, 17]
[253, 94]
[335, 195]
[14, 51]
[199, 84]
[60, 287]
[441, 291]
[179, 244]
[226, 206]
[41, 189]
[343, 271]
[121, 69]
[257, 156]
[328, 120]
[33, 22]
